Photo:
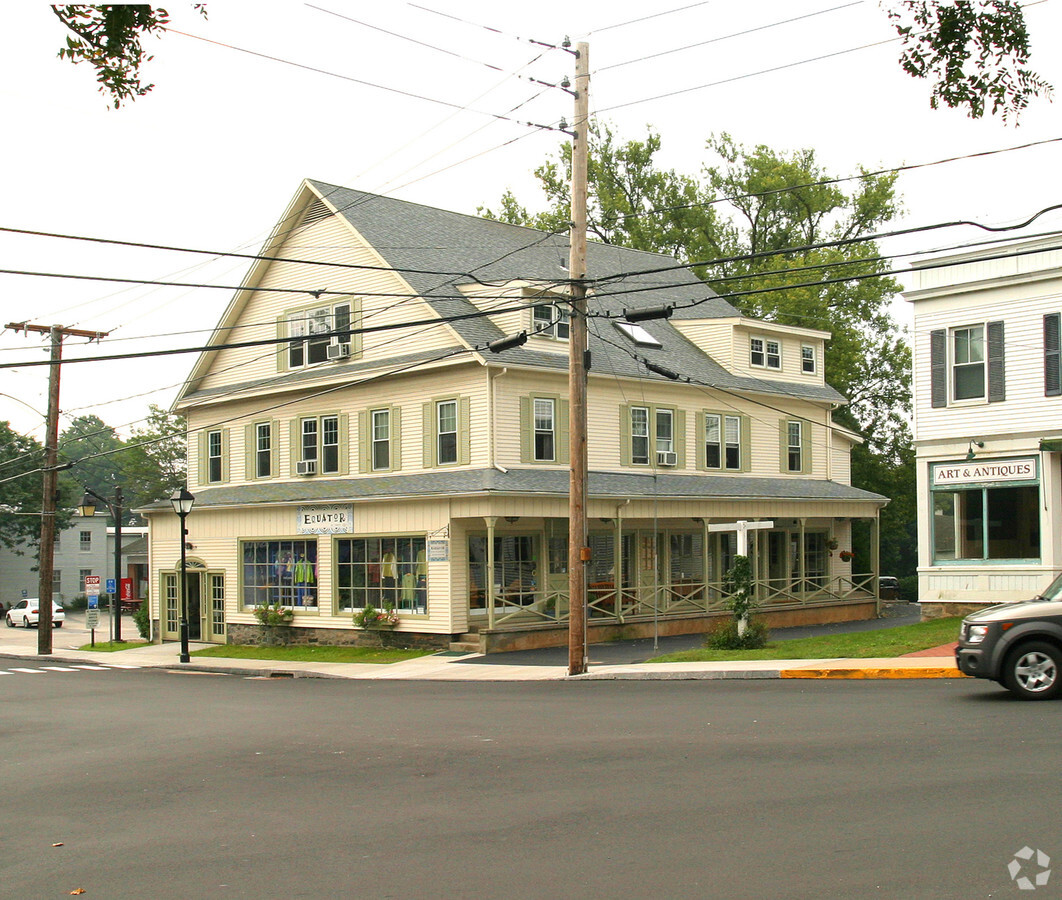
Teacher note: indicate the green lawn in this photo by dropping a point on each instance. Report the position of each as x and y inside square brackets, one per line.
[311, 654]
[853, 645]
[111, 647]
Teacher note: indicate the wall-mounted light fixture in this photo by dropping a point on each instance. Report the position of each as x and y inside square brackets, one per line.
[970, 452]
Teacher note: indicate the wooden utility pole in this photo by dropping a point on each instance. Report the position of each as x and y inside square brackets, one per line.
[46, 564]
[578, 552]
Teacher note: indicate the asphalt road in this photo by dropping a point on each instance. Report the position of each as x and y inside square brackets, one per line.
[161, 785]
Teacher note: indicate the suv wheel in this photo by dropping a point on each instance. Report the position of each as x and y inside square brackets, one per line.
[1034, 672]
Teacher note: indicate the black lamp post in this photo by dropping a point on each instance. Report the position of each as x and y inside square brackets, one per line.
[87, 508]
[182, 503]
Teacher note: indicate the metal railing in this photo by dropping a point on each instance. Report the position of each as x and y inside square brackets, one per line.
[607, 604]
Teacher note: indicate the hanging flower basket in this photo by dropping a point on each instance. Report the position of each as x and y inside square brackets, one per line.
[846, 555]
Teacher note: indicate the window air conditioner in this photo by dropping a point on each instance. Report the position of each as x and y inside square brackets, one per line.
[306, 467]
[337, 351]
[666, 458]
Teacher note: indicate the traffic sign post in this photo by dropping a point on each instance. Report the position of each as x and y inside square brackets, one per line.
[92, 614]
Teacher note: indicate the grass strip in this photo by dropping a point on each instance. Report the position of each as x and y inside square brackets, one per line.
[886, 642]
[111, 646]
[302, 653]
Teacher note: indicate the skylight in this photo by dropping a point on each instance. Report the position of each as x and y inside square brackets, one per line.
[637, 334]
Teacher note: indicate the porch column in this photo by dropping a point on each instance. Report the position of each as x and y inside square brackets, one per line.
[802, 572]
[875, 557]
[706, 563]
[489, 592]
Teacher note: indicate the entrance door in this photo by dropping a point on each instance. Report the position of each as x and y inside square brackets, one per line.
[215, 618]
[194, 587]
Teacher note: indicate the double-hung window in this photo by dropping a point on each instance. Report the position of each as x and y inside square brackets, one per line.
[319, 441]
[446, 431]
[551, 320]
[214, 467]
[640, 435]
[263, 449]
[794, 446]
[665, 431]
[765, 353]
[968, 362]
[315, 331]
[85, 542]
[545, 429]
[807, 359]
[722, 441]
[381, 438]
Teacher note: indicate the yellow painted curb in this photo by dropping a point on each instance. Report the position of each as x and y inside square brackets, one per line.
[894, 672]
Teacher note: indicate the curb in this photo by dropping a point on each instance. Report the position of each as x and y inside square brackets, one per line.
[876, 672]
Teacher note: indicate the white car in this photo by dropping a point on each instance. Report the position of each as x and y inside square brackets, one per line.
[26, 613]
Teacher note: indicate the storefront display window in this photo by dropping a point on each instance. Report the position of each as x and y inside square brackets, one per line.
[280, 572]
[987, 523]
[382, 572]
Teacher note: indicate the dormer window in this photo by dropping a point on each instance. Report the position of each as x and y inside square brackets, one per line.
[320, 328]
[637, 334]
[551, 320]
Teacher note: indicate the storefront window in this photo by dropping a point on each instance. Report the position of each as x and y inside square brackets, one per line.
[280, 572]
[987, 523]
[381, 572]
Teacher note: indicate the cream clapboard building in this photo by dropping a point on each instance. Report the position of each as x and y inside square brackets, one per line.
[987, 423]
[353, 441]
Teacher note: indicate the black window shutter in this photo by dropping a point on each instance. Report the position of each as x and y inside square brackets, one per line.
[997, 389]
[938, 368]
[1052, 348]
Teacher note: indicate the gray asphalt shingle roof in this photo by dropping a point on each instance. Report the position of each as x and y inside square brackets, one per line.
[602, 485]
[414, 239]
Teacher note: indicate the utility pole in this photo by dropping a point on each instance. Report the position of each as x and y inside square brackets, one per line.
[578, 551]
[51, 476]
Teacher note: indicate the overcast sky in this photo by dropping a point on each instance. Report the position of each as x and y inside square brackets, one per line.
[268, 93]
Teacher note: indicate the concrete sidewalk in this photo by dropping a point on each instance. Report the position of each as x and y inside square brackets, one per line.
[450, 667]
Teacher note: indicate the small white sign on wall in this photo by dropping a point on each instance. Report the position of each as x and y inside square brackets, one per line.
[331, 519]
[438, 550]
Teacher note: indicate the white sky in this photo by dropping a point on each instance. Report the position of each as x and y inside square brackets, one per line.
[212, 156]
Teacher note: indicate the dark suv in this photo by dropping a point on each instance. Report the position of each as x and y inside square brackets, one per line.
[1017, 644]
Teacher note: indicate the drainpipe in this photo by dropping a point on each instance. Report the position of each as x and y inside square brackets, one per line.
[617, 560]
[491, 378]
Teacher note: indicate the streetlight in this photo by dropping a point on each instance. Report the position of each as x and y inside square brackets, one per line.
[87, 508]
[182, 503]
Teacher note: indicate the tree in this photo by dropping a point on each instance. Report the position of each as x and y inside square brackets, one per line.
[109, 39]
[94, 449]
[20, 488]
[976, 50]
[154, 462]
[783, 241]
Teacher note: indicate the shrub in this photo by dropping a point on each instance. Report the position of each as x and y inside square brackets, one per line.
[274, 614]
[909, 588]
[141, 618]
[725, 636]
[370, 617]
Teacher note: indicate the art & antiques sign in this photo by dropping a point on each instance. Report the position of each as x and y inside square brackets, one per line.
[995, 471]
[332, 519]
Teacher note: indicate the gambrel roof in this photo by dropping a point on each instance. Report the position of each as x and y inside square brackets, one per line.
[421, 241]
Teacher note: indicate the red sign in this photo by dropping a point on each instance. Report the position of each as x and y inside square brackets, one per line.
[127, 588]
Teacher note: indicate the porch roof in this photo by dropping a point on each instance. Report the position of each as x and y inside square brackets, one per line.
[530, 482]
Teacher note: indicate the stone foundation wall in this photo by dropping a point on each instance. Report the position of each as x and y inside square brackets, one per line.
[261, 635]
[941, 609]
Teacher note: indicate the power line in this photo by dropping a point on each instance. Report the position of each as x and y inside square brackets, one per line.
[658, 15]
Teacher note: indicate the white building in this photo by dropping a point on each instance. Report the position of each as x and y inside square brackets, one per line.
[988, 424]
[354, 441]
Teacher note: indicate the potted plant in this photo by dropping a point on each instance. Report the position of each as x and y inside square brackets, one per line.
[370, 618]
[846, 555]
[275, 618]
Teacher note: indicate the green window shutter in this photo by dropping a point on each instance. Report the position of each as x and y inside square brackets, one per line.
[464, 431]
[806, 442]
[997, 389]
[938, 368]
[680, 437]
[250, 445]
[527, 427]
[561, 451]
[429, 434]
[225, 454]
[396, 438]
[701, 461]
[625, 434]
[746, 444]
[783, 446]
[1052, 355]
[344, 444]
[274, 447]
[295, 443]
[364, 442]
[282, 346]
[355, 323]
[201, 438]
